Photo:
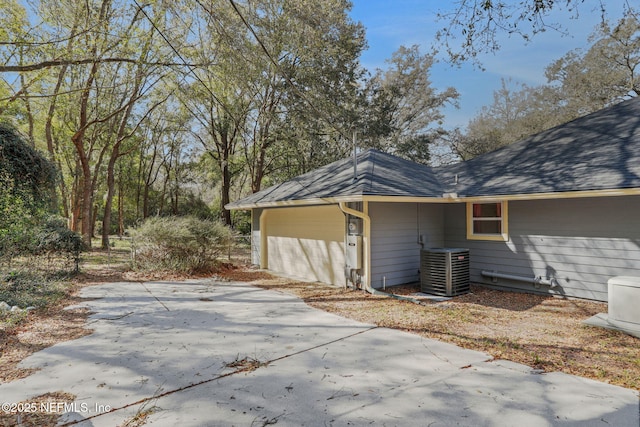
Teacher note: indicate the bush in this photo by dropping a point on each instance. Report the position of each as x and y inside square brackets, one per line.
[39, 237]
[241, 221]
[26, 172]
[183, 244]
[26, 288]
[17, 223]
[54, 238]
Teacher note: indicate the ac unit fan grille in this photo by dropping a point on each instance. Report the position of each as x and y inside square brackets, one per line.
[444, 271]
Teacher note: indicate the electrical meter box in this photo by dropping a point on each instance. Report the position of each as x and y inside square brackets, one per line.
[355, 226]
[354, 252]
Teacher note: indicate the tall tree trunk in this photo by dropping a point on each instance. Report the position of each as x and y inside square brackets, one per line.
[134, 96]
[78, 140]
[163, 195]
[76, 200]
[226, 190]
[48, 129]
[258, 175]
[86, 214]
[106, 219]
[65, 198]
[94, 219]
[149, 180]
[120, 210]
[85, 167]
[145, 202]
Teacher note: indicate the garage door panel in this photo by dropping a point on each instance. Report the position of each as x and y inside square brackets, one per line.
[308, 259]
[307, 242]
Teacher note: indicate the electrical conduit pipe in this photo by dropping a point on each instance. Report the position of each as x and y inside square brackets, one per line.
[533, 280]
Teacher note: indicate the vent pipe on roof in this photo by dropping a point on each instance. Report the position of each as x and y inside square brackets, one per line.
[355, 157]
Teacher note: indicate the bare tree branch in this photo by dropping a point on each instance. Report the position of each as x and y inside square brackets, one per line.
[66, 62]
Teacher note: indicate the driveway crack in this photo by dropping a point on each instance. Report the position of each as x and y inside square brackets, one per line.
[241, 369]
[155, 297]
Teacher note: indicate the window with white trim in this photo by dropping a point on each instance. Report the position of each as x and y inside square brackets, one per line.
[487, 221]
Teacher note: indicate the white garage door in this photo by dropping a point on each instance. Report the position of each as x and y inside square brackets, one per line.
[307, 242]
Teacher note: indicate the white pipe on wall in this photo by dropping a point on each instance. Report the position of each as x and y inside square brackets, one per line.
[533, 280]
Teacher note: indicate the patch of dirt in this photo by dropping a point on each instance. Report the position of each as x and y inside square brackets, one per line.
[235, 273]
[42, 328]
[246, 364]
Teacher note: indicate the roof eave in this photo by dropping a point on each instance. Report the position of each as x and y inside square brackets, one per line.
[289, 203]
[446, 198]
[609, 192]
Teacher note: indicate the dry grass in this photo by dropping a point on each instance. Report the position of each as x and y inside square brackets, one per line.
[42, 329]
[543, 332]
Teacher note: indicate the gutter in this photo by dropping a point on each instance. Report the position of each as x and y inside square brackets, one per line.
[450, 199]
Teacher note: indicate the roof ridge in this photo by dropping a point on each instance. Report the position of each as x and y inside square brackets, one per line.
[372, 154]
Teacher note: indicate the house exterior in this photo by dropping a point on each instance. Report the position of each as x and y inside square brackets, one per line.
[556, 213]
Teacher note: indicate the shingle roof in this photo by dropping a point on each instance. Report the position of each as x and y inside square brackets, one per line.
[600, 151]
[378, 174]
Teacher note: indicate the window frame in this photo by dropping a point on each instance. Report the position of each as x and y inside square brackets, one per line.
[503, 236]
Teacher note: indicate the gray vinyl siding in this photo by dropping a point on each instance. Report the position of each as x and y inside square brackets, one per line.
[255, 236]
[395, 231]
[580, 243]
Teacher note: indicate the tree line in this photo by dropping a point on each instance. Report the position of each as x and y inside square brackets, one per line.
[580, 82]
[146, 109]
[173, 107]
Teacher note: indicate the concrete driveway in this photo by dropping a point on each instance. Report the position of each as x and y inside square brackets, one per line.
[207, 353]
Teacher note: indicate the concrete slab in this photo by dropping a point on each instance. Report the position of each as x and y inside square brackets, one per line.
[218, 354]
[413, 381]
[601, 320]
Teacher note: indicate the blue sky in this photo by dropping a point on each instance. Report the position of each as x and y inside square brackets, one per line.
[392, 23]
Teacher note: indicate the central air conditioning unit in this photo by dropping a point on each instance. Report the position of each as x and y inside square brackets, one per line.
[444, 271]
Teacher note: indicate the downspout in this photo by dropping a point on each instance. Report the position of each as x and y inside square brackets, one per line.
[366, 239]
[366, 256]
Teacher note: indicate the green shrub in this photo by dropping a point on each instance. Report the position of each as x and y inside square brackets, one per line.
[54, 238]
[17, 223]
[26, 288]
[184, 244]
[25, 172]
[241, 221]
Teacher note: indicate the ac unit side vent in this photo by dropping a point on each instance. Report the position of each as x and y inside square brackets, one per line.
[444, 271]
